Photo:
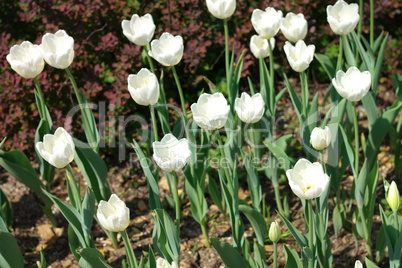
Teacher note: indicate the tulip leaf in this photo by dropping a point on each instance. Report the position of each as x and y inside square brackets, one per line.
[10, 253]
[87, 215]
[3, 227]
[253, 181]
[371, 109]
[230, 256]
[214, 193]
[328, 64]
[292, 258]
[257, 221]
[93, 257]
[301, 240]
[369, 263]
[93, 168]
[349, 150]
[349, 55]
[279, 153]
[294, 97]
[6, 209]
[337, 220]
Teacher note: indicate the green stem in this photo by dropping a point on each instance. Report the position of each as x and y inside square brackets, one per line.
[359, 26]
[222, 151]
[205, 233]
[367, 234]
[155, 127]
[227, 61]
[150, 62]
[41, 106]
[278, 200]
[396, 221]
[176, 198]
[275, 254]
[183, 103]
[112, 235]
[372, 24]
[304, 92]
[132, 262]
[271, 80]
[311, 231]
[356, 132]
[340, 55]
[76, 197]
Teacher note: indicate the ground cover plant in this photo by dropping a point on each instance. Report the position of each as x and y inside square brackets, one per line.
[289, 169]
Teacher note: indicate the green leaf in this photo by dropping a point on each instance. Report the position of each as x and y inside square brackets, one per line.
[294, 97]
[228, 254]
[371, 109]
[279, 153]
[337, 220]
[93, 257]
[10, 253]
[292, 258]
[327, 63]
[88, 212]
[370, 264]
[301, 240]
[257, 221]
[253, 181]
[349, 150]
[6, 209]
[361, 182]
[350, 57]
[214, 193]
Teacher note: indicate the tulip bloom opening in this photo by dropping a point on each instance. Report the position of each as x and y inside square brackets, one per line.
[168, 50]
[294, 27]
[352, 85]
[26, 59]
[113, 215]
[343, 17]
[320, 138]
[250, 109]
[139, 30]
[58, 49]
[221, 9]
[266, 23]
[300, 55]
[144, 87]
[259, 46]
[171, 154]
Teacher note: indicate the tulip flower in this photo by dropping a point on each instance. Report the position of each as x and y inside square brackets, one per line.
[275, 232]
[168, 50]
[307, 180]
[162, 263]
[144, 87]
[352, 85]
[358, 264]
[250, 109]
[58, 49]
[259, 46]
[26, 59]
[139, 30]
[221, 9]
[171, 154]
[266, 23]
[57, 149]
[393, 197]
[294, 27]
[113, 215]
[211, 111]
[343, 17]
[320, 138]
[300, 55]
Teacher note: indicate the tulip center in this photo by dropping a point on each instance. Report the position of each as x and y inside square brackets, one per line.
[307, 187]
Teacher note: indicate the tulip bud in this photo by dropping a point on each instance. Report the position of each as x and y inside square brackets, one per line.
[58, 49]
[358, 264]
[162, 263]
[343, 17]
[221, 9]
[113, 215]
[139, 30]
[171, 154]
[307, 180]
[266, 23]
[57, 149]
[294, 27]
[393, 197]
[144, 87]
[275, 232]
[211, 111]
[300, 55]
[168, 50]
[320, 138]
[250, 109]
[26, 59]
[259, 46]
[352, 85]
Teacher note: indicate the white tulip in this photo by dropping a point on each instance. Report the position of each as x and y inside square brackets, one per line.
[221, 9]
[144, 87]
[320, 138]
[393, 197]
[57, 149]
[358, 264]
[211, 111]
[294, 27]
[139, 30]
[58, 49]
[171, 154]
[168, 50]
[113, 215]
[266, 23]
[300, 55]
[352, 85]
[26, 59]
[259, 46]
[249, 109]
[343, 17]
[307, 180]
[162, 263]
[275, 232]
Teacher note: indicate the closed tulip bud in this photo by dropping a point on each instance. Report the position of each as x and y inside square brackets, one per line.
[299, 56]
[171, 154]
[26, 59]
[57, 149]
[343, 17]
[275, 232]
[259, 46]
[352, 85]
[294, 27]
[221, 9]
[211, 111]
[139, 30]
[168, 50]
[162, 263]
[320, 138]
[307, 180]
[113, 215]
[58, 49]
[358, 264]
[393, 197]
[266, 23]
[250, 109]
[144, 87]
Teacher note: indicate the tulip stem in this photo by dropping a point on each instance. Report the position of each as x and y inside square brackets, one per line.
[275, 254]
[183, 103]
[311, 231]
[44, 114]
[112, 235]
[356, 130]
[340, 55]
[75, 197]
[372, 24]
[366, 232]
[150, 62]
[227, 61]
[304, 92]
[205, 233]
[271, 80]
[176, 198]
[132, 262]
[155, 127]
